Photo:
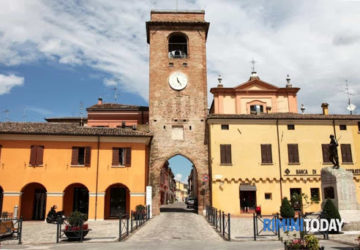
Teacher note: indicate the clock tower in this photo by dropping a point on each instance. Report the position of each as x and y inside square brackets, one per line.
[178, 95]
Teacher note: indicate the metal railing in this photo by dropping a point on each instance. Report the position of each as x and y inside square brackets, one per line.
[127, 225]
[313, 216]
[259, 230]
[11, 229]
[220, 220]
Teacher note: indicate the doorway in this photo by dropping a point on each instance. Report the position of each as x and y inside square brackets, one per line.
[76, 198]
[33, 202]
[247, 201]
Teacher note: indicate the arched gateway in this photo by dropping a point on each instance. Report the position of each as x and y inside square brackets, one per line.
[178, 95]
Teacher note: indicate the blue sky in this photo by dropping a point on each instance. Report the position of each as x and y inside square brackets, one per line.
[181, 167]
[55, 55]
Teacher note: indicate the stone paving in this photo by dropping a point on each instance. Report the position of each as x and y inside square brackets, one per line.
[36, 232]
[176, 223]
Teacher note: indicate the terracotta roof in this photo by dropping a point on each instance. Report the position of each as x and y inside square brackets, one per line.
[116, 107]
[284, 116]
[65, 119]
[68, 129]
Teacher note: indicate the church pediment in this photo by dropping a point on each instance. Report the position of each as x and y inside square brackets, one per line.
[256, 85]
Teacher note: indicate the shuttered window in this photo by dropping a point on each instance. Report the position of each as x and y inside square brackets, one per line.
[81, 156]
[121, 156]
[293, 152]
[0, 152]
[266, 153]
[225, 154]
[346, 153]
[36, 155]
[325, 153]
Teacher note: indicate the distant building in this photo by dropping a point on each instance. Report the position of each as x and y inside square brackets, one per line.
[167, 185]
[192, 184]
[181, 191]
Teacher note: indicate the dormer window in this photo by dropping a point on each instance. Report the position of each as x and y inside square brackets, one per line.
[256, 109]
[177, 46]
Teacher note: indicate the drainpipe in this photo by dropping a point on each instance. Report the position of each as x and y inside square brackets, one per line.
[97, 175]
[334, 128]
[278, 140]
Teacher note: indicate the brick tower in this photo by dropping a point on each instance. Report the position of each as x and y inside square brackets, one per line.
[178, 94]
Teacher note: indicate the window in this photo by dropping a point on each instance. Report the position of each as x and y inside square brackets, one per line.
[329, 193]
[291, 127]
[296, 198]
[268, 196]
[326, 153]
[0, 152]
[293, 152]
[315, 194]
[225, 154]
[346, 153]
[36, 155]
[266, 153]
[121, 156]
[342, 127]
[256, 109]
[224, 126]
[359, 126]
[177, 46]
[81, 156]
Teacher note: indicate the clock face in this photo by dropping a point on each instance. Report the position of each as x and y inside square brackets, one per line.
[178, 80]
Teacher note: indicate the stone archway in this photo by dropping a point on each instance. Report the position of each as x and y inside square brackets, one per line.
[76, 198]
[202, 189]
[117, 201]
[33, 202]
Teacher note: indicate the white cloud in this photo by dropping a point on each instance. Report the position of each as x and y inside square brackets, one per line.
[178, 177]
[316, 42]
[7, 82]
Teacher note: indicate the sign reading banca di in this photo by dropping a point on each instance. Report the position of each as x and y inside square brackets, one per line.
[313, 225]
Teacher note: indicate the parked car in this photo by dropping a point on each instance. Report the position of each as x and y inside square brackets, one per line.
[192, 203]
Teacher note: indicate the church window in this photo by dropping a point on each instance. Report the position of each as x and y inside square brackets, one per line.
[177, 46]
[256, 109]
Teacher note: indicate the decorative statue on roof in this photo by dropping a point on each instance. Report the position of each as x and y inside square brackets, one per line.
[334, 158]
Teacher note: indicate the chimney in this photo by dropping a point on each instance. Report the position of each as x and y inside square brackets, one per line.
[325, 108]
[100, 101]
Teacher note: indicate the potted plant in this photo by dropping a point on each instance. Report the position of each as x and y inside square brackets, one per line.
[140, 212]
[330, 212]
[310, 242]
[286, 210]
[76, 226]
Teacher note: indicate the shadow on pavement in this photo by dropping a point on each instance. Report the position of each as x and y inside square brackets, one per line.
[176, 210]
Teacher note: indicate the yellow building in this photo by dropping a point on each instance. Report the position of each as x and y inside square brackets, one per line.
[99, 171]
[181, 191]
[259, 158]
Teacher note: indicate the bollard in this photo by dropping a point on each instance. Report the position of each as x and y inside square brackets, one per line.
[16, 209]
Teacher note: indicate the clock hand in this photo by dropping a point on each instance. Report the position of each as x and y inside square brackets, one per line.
[177, 78]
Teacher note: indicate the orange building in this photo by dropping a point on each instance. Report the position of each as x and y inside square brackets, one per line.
[96, 170]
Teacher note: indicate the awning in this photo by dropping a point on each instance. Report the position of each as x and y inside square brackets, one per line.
[247, 187]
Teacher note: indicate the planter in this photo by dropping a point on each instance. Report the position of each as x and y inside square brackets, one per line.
[74, 232]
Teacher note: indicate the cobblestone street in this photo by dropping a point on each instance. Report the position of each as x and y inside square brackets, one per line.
[175, 228]
[175, 222]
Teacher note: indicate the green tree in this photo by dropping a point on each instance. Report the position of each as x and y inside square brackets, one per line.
[330, 212]
[286, 210]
